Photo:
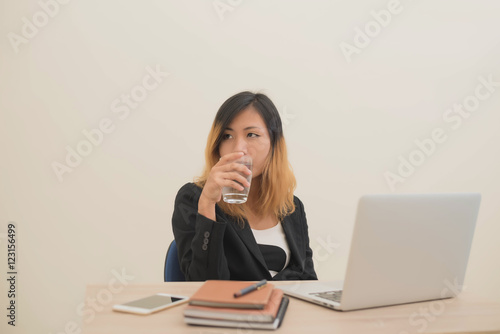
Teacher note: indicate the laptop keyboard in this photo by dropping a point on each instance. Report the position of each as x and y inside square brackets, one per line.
[329, 295]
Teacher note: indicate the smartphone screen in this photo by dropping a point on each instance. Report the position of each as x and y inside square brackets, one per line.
[152, 302]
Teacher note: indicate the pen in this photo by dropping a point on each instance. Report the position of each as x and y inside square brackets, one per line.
[250, 288]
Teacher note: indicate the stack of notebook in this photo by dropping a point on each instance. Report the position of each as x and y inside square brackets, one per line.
[214, 304]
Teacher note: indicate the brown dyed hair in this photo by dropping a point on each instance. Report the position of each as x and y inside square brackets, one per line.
[278, 181]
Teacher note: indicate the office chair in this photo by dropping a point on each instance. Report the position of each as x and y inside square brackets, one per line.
[173, 271]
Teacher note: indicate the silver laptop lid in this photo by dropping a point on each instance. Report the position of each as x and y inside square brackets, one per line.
[409, 247]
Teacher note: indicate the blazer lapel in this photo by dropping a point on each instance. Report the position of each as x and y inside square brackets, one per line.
[248, 239]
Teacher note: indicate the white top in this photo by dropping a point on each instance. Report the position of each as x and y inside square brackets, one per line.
[274, 247]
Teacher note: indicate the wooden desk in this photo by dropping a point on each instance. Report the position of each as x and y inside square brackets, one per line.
[464, 314]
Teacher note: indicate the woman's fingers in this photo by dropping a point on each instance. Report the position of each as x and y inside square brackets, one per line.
[229, 157]
[234, 166]
[238, 178]
[227, 173]
[233, 184]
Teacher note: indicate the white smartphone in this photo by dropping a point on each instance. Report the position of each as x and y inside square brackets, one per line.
[151, 304]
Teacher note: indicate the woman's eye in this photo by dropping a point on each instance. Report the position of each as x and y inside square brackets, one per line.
[228, 136]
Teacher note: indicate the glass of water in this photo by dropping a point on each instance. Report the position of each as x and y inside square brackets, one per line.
[236, 196]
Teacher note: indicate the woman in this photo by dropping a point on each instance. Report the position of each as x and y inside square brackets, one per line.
[264, 238]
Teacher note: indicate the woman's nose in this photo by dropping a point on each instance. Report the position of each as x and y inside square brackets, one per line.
[241, 145]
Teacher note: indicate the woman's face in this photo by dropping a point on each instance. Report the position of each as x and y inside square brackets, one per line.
[247, 133]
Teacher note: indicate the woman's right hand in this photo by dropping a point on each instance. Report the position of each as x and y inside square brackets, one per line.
[225, 173]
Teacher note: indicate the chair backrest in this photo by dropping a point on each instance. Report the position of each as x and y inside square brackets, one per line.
[173, 271]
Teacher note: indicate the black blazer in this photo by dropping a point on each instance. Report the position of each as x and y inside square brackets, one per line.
[223, 250]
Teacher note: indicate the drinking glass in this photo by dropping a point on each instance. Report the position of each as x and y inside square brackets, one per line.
[236, 196]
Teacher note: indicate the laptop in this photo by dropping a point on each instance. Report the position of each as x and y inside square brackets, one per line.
[405, 248]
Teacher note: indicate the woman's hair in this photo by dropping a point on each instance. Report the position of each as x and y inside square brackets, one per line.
[278, 181]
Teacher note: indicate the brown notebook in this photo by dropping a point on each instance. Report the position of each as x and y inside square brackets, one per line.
[268, 314]
[221, 294]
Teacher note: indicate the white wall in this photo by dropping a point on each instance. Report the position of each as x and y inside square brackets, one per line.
[347, 120]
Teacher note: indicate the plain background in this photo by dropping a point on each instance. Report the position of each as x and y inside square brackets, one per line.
[346, 124]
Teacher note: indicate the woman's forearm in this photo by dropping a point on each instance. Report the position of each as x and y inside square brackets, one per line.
[206, 208]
